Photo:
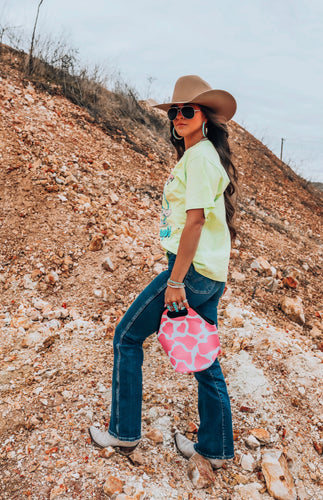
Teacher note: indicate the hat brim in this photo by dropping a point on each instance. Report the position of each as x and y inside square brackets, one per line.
[220, 101]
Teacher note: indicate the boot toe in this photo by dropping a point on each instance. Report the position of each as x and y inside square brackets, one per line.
[184, 445]
[98, 437]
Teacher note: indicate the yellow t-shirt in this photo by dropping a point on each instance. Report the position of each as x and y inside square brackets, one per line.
[198, 180]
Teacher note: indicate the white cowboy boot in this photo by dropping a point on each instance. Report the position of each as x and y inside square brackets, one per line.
[186, 447]
[104, 439]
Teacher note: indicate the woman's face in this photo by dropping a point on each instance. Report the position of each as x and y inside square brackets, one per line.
[192, 127]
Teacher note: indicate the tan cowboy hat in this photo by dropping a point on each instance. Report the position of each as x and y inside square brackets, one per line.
[192, 89]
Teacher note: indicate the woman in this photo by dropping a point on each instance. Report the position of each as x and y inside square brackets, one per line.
[196, 225]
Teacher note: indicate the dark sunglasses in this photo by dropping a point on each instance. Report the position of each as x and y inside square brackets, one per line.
[187, 112]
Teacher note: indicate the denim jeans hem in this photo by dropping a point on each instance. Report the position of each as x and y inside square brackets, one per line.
[123, 438]
[222, 457]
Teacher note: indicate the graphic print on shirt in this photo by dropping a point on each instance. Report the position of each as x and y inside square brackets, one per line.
[165, 228]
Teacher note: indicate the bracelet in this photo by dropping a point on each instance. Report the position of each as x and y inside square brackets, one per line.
[174, 282]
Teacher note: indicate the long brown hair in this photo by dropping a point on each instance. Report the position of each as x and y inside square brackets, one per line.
[218, 134]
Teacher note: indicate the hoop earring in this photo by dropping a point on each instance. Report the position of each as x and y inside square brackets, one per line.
[178, 138]
[204, 130]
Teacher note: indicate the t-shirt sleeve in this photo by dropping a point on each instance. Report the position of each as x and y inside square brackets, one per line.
[202, 183]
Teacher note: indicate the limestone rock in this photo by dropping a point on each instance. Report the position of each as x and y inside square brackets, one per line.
[248, 462]
[247, 492]
[252, 442]
[107, 452]
[58, 492]
[112, 486]
[262, 266]
[200, 472]
[140, 495]
[235, 253]
[236, 276]
[96, 243]
[40, 304]
[261, 434]
[293, 308]
[155, 435]
[278, 478]
[32, 339]
[270, 283]
[34, 315]
[67, 263]
[53, 439]
[28, 284]
[50, 313]
[113, 198]
[21, 322]
[108, 265]
[52, 278]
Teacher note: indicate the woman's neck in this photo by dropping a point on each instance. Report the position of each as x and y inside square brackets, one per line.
[193, 139]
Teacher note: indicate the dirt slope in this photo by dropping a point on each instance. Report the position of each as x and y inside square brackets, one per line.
[73, 197]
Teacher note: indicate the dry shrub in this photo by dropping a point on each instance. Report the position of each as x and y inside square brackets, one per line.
[57, 69]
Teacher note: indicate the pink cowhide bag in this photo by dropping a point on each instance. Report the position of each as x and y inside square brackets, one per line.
[190, 340]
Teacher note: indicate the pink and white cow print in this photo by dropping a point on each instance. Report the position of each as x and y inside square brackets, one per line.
[191, 343]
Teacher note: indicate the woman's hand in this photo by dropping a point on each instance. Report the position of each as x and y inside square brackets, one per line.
[175, 298]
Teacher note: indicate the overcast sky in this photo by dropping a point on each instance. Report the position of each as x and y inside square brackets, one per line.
[267, 53]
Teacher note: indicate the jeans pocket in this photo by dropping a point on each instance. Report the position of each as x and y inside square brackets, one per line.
[198, 283]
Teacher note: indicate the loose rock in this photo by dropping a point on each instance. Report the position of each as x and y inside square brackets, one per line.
[247, 492]
[278, 478]
[200, 472]
[108, 265]
[262, 266]
[252, 442]
[52, 278]
[112, 486]
[247, 462]
[114, 198]
[96, 243]
[107, 452]
[262, 435]
[58, 492]
[192, 427]
[236, 276]
[155, 435]
[293, 308]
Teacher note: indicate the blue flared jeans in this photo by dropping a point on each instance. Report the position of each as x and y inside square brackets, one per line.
[215, 437]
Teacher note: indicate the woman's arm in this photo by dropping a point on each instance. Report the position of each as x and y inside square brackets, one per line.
[187, 247]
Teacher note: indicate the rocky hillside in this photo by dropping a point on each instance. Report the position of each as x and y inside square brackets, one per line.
[79, 218]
